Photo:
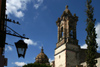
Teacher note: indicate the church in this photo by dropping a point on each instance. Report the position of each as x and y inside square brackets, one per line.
[67, 52]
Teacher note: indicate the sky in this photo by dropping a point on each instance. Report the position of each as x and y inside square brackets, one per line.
[38, 23]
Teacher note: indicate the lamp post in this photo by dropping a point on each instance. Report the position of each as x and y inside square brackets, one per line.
[20, 45]
[2, 23]
[3, 60]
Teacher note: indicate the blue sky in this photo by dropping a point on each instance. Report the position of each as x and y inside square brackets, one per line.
[38, 22]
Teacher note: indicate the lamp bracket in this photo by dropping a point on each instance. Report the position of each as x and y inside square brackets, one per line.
[9, 44]
[10, 20]
[14, 33]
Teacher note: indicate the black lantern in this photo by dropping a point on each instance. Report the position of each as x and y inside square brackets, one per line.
[21, 47]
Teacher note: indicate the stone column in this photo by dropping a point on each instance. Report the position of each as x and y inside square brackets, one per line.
[58, 34]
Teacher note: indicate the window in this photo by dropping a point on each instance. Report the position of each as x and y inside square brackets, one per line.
[62, 32]
[71, 33]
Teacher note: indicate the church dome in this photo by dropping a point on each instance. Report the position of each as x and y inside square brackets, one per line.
[42, 58]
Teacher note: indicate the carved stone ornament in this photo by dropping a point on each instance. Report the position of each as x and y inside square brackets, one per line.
[67, 10]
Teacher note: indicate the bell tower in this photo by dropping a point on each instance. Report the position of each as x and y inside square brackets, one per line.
[67, 48]
[67, 28]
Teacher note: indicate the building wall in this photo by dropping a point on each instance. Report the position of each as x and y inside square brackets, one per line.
[67, 54]
[60, 59]
[98, 63]
[72, 55]
[60, 56]
[61, 48]
[71, 59]
[52, 64]
[73, 47]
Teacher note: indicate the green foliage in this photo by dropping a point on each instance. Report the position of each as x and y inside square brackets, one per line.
[91, 36]
[36, 65]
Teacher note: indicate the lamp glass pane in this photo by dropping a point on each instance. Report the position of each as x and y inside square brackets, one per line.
[21, 50]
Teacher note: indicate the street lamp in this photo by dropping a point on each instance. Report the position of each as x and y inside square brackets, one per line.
[21, 47]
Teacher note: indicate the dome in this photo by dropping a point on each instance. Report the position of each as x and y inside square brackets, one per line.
[42, 58]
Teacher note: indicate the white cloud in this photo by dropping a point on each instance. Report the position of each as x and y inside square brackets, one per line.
[37, 3]
[84, 46]
[36, 6]
[50, 60]
[98, 37]
[40, 47]
[30, 42]
[36, 16]
[8, 48]
[19, 63]
[16, 7]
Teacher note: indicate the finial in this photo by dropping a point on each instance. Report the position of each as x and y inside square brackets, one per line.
[74, 14]
[66, 6]
[42, 49]
[58, 19]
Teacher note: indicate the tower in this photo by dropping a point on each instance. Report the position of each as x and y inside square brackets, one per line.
[67, 48]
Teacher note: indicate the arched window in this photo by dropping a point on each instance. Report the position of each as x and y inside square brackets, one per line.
[71, 33]
[62, 32]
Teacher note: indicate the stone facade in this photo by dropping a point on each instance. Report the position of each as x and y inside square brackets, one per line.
[67, 52]
[60, 56]
[98, 63]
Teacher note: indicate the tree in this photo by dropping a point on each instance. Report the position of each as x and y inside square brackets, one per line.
[36, 65]
[91, 36]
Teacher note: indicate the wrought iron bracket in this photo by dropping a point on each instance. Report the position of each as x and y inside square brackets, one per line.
[9, 20]
[9, 44]
[14, 33]
[11, 31]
